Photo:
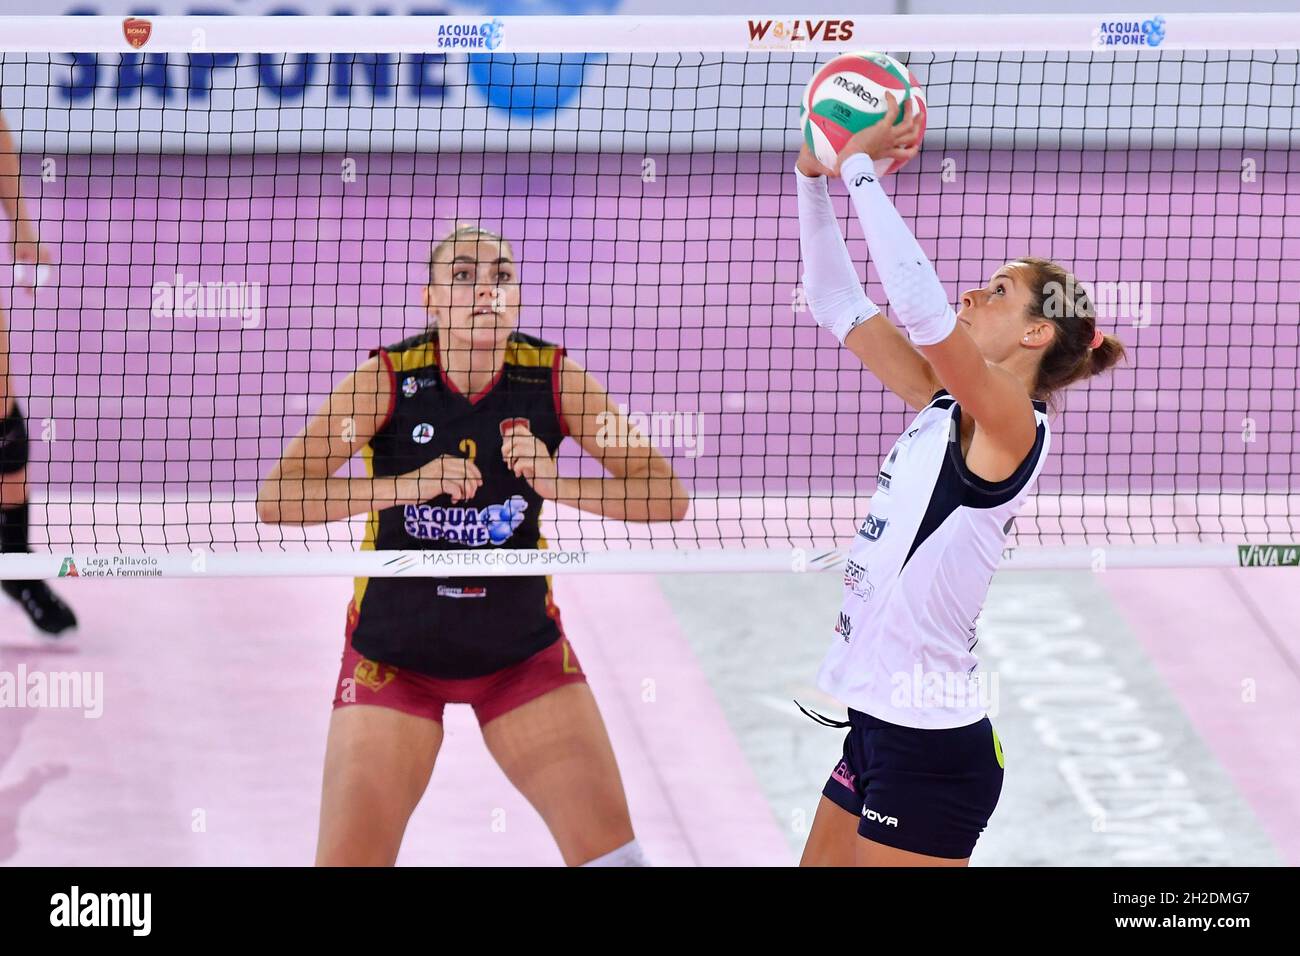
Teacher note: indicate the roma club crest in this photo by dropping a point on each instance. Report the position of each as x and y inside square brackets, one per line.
[136, 31]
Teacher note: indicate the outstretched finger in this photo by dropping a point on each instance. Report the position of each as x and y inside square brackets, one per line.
[907, 125]
[891, 108]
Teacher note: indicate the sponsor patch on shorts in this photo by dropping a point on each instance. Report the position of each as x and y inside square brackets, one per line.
[445, 590]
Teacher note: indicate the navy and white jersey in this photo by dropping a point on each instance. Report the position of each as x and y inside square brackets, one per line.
[917, 575]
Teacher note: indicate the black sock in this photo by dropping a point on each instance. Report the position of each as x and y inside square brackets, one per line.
[14, 529]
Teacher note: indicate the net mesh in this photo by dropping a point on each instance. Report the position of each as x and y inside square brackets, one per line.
[235, 232]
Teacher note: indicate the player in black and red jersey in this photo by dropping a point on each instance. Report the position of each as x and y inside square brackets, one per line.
[458, 427]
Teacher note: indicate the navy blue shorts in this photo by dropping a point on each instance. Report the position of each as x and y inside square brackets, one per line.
[927, 791]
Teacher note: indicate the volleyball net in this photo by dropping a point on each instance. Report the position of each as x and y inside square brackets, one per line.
[240, 209]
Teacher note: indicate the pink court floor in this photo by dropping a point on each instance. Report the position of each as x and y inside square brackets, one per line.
[216, 697]
[216, 702]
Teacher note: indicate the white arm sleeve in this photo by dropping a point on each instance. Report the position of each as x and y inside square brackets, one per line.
[914, 290]
[830, 282]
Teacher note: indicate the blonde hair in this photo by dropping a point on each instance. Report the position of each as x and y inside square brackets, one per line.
[461, 232]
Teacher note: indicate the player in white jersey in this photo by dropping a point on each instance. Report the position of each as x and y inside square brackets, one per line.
[922, 766]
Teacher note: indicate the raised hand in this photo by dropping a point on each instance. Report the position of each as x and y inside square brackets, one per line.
[884, 139]
[809, 165]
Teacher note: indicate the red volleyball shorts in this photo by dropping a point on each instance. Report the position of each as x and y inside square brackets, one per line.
[363, 681]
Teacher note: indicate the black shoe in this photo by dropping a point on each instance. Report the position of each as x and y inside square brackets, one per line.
[48, 613]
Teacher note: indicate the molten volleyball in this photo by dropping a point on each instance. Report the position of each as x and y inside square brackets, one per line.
[848, 94]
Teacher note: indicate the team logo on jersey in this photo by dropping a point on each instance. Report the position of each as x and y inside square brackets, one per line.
[412, 384]
[855, 578]
[454, 592]
[472, 526]
[844, 626]
[873, 528]
[422, 433]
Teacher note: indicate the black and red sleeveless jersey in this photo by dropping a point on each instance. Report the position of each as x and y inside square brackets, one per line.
[459, 627]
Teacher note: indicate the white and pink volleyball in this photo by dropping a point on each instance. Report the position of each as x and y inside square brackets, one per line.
[848, 94]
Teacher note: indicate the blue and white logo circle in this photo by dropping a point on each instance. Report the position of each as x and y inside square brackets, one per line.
[410, 386]
[1154, 30]
[491, 32]
[422, 433]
